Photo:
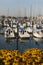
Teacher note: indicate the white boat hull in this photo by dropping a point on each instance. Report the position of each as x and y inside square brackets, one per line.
[10, 36]
[35, 34]
[9, 33]
[24, 36]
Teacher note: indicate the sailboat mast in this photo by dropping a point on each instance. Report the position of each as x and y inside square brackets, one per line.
[8, 12]
[31, 11]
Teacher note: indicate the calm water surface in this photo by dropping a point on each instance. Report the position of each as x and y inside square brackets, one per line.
[11, 44]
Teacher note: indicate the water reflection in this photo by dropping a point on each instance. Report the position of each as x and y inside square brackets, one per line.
[38, 40]
[9, 41]
[37, 43]
[24, 40]
[22, 44]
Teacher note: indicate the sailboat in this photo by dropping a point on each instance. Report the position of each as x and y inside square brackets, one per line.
[29, 29]
[9, 33]
[14, 26]
[5, 23]
[38, 34]
[42, 23]
[24, 35]
[37, 27]
[37, 31]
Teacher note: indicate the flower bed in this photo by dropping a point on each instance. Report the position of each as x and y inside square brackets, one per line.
[31, 56]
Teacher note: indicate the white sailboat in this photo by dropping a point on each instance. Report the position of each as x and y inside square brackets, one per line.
[21, 25]
[14, 26]
[15, 30]
[42, 23]
[38, 34]
[37, 31]
[36, 27]
[27, 24]
[6, 23]
[2, 31]
[9, 33]
[24, 35]
[29, 29]
[13, 23]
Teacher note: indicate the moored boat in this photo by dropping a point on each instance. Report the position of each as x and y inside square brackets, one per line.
[9, 33]
[29, 29]
[5, 23]
[24, 35]
[38, 34]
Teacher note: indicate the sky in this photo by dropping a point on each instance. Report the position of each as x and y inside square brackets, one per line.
[21, 7]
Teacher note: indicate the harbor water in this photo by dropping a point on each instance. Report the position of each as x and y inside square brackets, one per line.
[11, 44]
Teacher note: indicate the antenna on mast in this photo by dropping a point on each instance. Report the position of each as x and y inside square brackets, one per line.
[8, 12]
[31, 11]
[36, 8]
[25, 14]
